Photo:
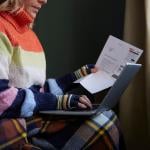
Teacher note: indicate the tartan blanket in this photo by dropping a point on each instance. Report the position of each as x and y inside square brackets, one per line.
[12, 134]
[98, 132]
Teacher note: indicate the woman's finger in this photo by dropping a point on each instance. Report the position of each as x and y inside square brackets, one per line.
[83, 106]
[85, 102]
[94, 70]
[86, 98]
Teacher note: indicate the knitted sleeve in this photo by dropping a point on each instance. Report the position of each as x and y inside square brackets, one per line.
[16, 102]
[63, 84]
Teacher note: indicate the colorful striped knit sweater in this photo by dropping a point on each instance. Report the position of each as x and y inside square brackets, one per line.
[22, 71]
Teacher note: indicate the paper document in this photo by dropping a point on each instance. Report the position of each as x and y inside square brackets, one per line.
[114, 56]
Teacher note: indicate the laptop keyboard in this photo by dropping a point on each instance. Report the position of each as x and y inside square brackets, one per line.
[94, 106]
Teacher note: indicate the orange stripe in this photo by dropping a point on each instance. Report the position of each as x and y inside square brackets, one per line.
[27, 40]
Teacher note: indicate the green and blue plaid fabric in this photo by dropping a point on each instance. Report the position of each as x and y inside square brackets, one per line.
[99, 132]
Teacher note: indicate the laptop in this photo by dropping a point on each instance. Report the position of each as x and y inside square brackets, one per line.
[110, 99]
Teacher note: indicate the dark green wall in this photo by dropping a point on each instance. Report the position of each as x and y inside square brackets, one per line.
[73, 32]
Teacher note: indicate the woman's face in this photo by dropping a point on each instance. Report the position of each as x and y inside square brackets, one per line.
[33, 6]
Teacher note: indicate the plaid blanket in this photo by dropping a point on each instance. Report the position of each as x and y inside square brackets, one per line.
[99, 132]
[12, 133]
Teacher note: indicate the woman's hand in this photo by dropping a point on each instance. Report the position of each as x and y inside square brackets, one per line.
[90, 68]
[85, 70]
[94, 70]
[72, 101]
[84, 102]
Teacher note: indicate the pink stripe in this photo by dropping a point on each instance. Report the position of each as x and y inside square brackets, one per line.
[42, 90]
[6, 98]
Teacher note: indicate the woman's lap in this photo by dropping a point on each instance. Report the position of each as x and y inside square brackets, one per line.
[101, 130]
[12, 133]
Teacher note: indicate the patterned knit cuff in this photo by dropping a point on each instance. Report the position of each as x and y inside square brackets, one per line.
[67, 101]
[83, 71]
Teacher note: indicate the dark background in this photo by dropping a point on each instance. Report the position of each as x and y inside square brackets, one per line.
[73, 32]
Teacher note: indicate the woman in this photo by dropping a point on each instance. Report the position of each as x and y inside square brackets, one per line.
[24, 91]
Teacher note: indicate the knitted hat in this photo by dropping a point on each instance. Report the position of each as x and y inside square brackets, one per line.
[2, 1]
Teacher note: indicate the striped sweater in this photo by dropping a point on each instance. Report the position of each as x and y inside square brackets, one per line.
[23, 89]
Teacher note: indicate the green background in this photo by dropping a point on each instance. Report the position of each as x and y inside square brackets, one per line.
[73, 32]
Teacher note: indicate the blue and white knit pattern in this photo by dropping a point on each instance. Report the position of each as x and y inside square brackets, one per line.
[54, 88]
[28, 105]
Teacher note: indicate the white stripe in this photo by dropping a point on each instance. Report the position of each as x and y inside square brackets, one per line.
[28, 104]
[54, 88]
[69, 101]
[100, 119]
[24, 77]
[4, 66]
